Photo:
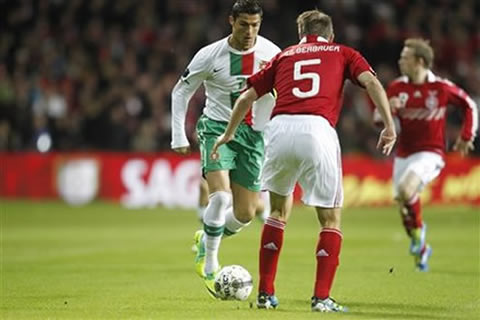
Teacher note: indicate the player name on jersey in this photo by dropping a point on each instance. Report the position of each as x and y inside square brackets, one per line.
[311, 49]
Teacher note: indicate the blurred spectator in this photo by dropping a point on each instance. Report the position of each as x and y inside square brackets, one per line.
[97, 75]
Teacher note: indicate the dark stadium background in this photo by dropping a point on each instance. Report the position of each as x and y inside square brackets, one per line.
[97, 75]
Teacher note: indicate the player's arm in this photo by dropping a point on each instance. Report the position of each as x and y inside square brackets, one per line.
[459, 98]
[240, 109]
[376, 92]
[183, 91]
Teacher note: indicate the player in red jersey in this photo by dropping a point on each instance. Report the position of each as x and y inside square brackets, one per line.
[302, 144]
[419, 99]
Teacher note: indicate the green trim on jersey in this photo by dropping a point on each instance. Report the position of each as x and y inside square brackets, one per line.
[235, 64]
[243, 156]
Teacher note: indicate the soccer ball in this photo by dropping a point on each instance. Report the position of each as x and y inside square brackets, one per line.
[233, 283]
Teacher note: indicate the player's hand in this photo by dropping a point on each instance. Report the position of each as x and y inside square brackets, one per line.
[182, 150]
[223, 139]
[387, 139]
[462, 146]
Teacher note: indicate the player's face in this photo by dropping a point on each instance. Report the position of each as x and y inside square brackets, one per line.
[407, 62]
[245, 30]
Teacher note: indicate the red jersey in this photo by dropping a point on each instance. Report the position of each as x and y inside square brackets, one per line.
[422, 116]
[309, 77]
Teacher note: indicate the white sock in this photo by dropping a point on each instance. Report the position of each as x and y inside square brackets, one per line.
[201, 213]
[211, 254]
[232, 225]
[213, 223]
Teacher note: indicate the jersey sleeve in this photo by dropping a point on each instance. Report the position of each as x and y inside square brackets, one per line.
[263, 80]
[459, 98]
[197, 71]
[356, 64]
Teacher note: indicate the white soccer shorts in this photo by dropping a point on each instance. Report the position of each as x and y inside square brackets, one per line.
[303, 149]
[426, 165]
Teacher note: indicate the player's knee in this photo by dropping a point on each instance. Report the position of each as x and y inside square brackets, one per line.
[404, 193]
[260, 206]
[219, 201]
[245, 213]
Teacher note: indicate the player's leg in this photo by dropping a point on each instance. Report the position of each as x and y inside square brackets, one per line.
[243, 210]
[216, 173]
[202, 199]
[279, 177]
[411, 214]
[408, 197]
[320, 176]
[410, 176]
[214, 220]
[327, 254]
[245, 178]
[263, 206]
[198, 238]
[270, 247]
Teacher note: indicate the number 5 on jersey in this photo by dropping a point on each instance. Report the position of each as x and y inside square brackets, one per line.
[314, 77]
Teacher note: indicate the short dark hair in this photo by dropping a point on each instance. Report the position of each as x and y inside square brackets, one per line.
[315, 22]
[246, 6]
[422, 50]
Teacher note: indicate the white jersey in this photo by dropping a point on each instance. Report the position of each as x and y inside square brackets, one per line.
[223, 71]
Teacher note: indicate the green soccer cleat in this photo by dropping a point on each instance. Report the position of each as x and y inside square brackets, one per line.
[210, 284]
[200, 256]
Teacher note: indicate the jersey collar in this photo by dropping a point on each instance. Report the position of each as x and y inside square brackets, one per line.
[431, 77]
[312, 38]
[233, 50]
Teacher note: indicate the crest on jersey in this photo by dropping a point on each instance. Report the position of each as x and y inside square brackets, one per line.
[262, 64]
[431, 102]
[403, 97]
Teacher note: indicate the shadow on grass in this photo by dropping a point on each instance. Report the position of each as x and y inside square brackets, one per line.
[394, 310]
[398, 310]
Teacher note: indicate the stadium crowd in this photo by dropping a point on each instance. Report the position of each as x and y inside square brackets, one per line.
[97, 75]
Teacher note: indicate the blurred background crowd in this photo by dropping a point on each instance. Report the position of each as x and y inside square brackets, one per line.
[97, 74]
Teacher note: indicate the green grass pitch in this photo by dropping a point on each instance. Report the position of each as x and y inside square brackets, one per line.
[105, 262]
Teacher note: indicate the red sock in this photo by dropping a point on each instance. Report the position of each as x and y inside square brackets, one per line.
[270, 246]
[412, 214]
[328, 250]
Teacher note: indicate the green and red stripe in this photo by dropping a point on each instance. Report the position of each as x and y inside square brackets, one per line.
[241, 64]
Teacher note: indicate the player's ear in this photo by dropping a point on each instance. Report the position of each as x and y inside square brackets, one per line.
[231, 20]
[332, 36]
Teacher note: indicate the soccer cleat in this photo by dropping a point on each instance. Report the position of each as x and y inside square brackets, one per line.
[421, 261]
[418, 239]
[327, 305]
[210, 284]
[200, 253]
[265, 301]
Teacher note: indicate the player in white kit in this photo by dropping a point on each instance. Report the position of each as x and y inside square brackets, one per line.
[234, 182]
